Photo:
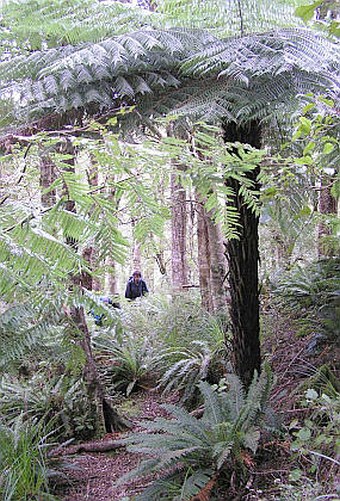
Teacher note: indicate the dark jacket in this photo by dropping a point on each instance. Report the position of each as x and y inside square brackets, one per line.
[134, 290]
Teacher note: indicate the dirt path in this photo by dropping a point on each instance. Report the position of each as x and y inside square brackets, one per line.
[92, 476]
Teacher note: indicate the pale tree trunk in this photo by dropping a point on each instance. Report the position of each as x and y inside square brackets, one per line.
[111, 277]
[192, 239]
[243, 259]
[179, 266]
[106, 418]
[136, 256]
[111, 282]
[327, 206]
[204, 258]
[218, 265]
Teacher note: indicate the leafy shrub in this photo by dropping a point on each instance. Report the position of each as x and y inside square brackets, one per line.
[316, 443]
[190, 453]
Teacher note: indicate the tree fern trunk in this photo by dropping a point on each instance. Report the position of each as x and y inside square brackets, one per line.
[243, 258]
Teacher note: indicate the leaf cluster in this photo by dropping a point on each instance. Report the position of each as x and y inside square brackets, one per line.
[188, 452]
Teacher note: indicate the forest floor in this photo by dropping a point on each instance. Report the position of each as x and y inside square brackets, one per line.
[93, 475]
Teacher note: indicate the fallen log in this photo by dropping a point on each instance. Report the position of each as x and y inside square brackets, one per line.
[104, 446]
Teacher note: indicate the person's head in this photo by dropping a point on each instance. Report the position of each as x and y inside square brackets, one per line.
[136, 275]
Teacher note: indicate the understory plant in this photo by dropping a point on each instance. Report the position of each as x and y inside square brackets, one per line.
[313, 292]
[60, 400]
[316, 444]
[189, 366]
[125, 364]
[189, 453]
[24, 471]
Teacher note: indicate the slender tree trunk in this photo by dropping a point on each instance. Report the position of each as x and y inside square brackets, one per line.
[204, 258]
[111, 282]
[327, 206]
[179, 264]
[106, 418]
[137, 256]
[218, 265]
[243, 258]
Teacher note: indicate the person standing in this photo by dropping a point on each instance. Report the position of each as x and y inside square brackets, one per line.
[136, 286]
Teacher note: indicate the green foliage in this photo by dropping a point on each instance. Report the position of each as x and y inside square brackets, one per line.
[318, 133]
[316, 443]
[200, 361]
[196, 450]
[209, 163]
[60, 400]
[24, 469]
[126, 364]
[314, 291]
[229, 18]
[168, 74]
[56, 23]
[324, 14]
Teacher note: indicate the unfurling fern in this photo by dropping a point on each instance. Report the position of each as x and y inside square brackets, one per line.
[188, 453]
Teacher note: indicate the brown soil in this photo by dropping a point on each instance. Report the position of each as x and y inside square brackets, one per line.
[92, 476]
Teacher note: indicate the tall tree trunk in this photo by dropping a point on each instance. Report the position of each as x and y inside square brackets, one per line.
[179, 264]
[243, 258]
[111, 277]
[137, 256]
[327, 205]
[106, 418]
[204, 258]
[218, 265]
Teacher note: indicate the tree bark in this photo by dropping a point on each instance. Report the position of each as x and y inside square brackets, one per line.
[89, 253]
[243, 258]
[218, 265]
[179, 264]
[204, 258]
[327, 206]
